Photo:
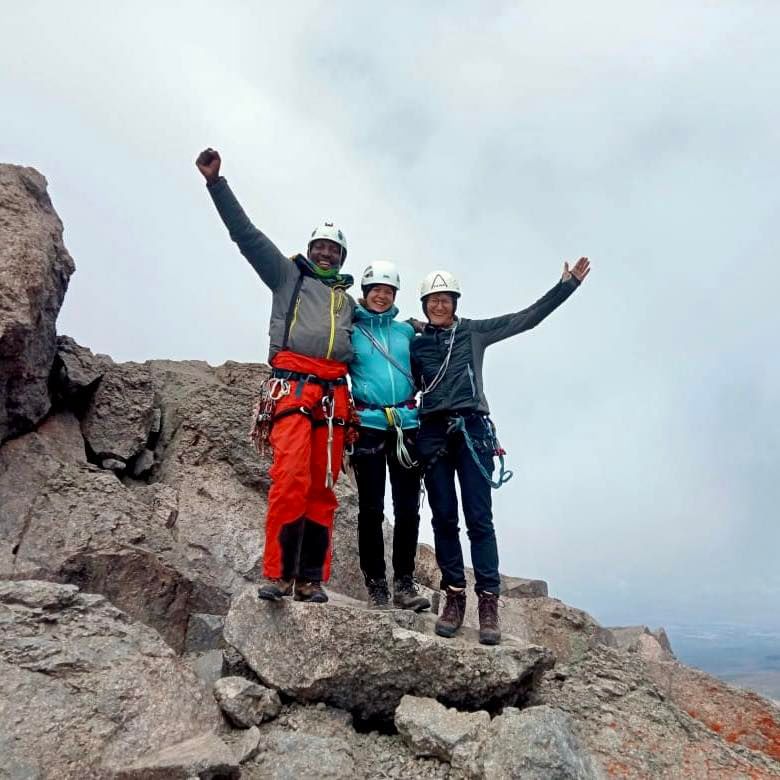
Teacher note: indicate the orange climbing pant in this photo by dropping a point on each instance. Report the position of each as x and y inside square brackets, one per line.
[299, 523]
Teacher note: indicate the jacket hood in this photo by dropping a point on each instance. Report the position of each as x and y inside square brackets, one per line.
[366, 315]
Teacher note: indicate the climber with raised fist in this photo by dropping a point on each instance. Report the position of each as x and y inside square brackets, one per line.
[305, 407]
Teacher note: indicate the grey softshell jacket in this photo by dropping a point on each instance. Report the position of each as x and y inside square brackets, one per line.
[321, 325]
[461, 387]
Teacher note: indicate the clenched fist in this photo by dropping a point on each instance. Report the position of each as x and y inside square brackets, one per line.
[208, 163]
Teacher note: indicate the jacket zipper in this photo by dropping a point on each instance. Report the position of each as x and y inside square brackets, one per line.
[295, 317]
[390, 368]
[332, 323]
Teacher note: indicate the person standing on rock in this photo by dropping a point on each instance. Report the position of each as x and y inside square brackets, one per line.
[456, 435]
[310, 346]
[384, 393]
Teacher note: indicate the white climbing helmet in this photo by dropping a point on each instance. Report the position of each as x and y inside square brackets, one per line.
[381, 272]
[439, 281]
[329, 232]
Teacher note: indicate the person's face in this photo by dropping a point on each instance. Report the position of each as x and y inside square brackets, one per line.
[325, 254]
[380, 298]
[440, 309]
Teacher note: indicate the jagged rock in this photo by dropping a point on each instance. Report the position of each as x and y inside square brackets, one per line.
[163, 501]
[630, 727]
[663, 640]
[209, 667]
[739, 717]
[69, 521]
[119, 419]
[534, 744]
[143, 463]
[294, 756]
[567, 631]
[244, 743]
[234, 664]
[246, 703]
[204, 632]
[34, 271]
[82, 688]
[26, 464]
[431, 729]
[308, 652]
[76, 370]
[639, 639]
[360, 754]
[521, 588]
[205, 756]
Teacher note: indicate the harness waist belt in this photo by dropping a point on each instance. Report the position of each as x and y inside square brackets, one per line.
[281, 373]
[408, 404]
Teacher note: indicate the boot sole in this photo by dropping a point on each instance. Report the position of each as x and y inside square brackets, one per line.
[265, 596]
[413, 607]
[447, 633]
[311, 599]
[490, 640]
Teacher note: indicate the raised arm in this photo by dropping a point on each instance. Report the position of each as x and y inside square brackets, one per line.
[263, 255]
[498, 328]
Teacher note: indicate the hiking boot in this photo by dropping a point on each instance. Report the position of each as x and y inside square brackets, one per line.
[312, 591]
[378, 594]
[451, 617]
[489, 631]
[405, 595]
[274, 588]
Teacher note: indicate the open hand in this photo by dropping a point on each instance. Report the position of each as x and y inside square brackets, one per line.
[208, 163]
[579, 272]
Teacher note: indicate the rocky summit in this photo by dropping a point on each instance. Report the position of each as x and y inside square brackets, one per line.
[132, 643]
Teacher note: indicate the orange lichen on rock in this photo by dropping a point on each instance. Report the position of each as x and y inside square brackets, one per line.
[616, 769]
[770, 729]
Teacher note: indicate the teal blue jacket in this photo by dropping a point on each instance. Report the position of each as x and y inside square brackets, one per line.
[375, 380]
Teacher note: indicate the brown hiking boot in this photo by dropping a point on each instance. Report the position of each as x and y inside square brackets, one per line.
[312, 591]
[274, 588]
[489, 631]
[405, 595]
[452, 617]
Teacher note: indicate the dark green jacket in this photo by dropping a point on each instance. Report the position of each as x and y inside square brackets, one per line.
[461, 388]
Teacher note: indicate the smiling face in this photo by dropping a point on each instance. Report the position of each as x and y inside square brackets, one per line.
[440, 309]
[380, 297]
[325, 254]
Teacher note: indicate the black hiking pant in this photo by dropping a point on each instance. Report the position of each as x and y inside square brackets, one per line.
[373, 457]
[443, 455]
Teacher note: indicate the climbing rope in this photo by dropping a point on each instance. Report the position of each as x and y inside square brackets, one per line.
[458, 424]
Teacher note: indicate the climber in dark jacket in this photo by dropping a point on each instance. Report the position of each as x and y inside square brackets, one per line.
[457, 435]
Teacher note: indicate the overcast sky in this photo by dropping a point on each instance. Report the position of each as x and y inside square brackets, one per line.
[497, 140]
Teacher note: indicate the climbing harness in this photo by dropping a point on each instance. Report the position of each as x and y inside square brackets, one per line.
[457, 423]
[277, 387]
[430, 387]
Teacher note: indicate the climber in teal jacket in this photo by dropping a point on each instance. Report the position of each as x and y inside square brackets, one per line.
[383, 390]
